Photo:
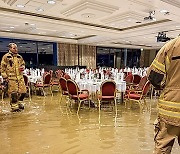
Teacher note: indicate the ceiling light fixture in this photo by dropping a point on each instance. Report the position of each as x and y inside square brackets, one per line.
[150, 17]
[20, 5]
[88, 15]
[40, 9]
[51, 1]
[163, 11]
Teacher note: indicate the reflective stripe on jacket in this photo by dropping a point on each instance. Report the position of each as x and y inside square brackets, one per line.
[167, 62]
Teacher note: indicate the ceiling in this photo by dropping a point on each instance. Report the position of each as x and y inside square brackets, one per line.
[111, 23]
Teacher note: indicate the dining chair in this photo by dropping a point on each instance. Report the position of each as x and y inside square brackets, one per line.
[136, 79]
[2, 90]
[27, 84]
[63, 87]
[45, 84]
[66, 76]
[107, 93]
[76, 94]
[137, 86]
[139, 95]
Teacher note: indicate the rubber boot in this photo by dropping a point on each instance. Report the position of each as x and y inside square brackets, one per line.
[21, 98]
[14, 102]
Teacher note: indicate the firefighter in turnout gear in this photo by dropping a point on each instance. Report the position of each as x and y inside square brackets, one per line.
[12, 67]
[164, 74]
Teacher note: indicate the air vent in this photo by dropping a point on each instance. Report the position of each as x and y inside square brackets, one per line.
[9, 2]
[150, 17]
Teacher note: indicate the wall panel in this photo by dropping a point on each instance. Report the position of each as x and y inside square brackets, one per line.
[74, 54]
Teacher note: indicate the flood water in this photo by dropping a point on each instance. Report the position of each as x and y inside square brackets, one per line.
[47, 126]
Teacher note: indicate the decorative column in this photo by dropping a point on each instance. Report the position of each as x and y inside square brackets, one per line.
[125, 57]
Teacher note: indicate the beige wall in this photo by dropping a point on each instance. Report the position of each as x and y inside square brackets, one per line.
[87, 56]
[152, 55]
[67, 54]
[147, 56]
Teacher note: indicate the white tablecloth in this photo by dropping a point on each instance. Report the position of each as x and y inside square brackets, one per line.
[34, 79]
[95, 86]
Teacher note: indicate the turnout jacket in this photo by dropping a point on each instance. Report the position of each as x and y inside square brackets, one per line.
[10, 66]
[164, 73]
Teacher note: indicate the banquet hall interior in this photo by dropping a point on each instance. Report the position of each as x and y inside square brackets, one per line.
[86, 74]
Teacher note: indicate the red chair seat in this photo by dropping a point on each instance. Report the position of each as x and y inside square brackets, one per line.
[81, 96]
[134, 96]
[65, 92]
[55, 83]
[106, 98]
[39, 85]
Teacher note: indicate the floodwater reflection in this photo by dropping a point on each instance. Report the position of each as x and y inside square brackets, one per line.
[47, 126]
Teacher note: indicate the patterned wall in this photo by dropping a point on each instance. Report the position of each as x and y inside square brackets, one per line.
[142, 58]
[74, 54]
[67, 54]
[87, 56]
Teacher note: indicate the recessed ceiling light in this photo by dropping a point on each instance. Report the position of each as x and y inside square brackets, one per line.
[51, 1]
[12, 27]
[163, 11]
[88, 15]
[40, 9]
[20, 5]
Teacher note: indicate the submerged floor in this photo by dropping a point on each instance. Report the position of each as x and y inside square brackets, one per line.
[49, 127]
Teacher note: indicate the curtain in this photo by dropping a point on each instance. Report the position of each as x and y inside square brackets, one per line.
[87, 56]
[74, 54]
[68, 54]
